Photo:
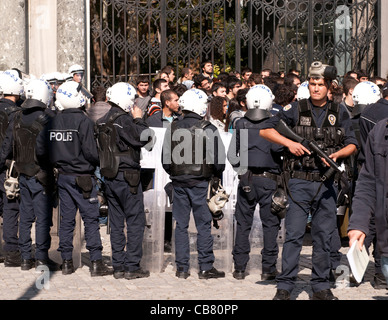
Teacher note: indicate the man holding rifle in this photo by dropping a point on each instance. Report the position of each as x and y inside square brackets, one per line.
[317, 125]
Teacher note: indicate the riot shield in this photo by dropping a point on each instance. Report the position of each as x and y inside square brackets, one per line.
[256, 241]
[223, 236]
[155, 201]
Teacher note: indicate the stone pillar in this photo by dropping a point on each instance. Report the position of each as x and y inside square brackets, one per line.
[42, 44]
[13, 35]
[71, 37]
[383, 54]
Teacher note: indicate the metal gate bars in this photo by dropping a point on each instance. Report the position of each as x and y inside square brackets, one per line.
[129, 38]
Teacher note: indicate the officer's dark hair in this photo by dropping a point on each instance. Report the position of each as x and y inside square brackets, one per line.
[144, 79]
[157, 85]
[166, 95]
[218, 85]
[99, 94]
[348, 84]
[327, 81]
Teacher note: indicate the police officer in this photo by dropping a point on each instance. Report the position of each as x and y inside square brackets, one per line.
[370, 116]
[257, 184]
[11, 90]
[370, 195]
[36, 178]
[76, 72]
[311, 187]
[73, 152]
[120, 166]
[190, 175]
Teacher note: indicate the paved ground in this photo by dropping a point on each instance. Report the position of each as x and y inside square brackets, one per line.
[27, 285]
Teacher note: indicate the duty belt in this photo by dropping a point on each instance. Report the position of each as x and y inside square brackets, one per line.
[309, 176]
[266, 174]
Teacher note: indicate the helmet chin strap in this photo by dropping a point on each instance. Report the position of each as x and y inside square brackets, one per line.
[357, 109]
[257, 114]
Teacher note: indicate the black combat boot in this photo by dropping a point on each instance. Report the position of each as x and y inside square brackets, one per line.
[99, 269]
[213, 273]
[67, 267]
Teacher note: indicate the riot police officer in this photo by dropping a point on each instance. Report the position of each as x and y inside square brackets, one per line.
[11, 90]
[121, 134]
[311, 187]
[370, 115]
[36, 179]
[73, 152]
[190, 173]
[257, 185]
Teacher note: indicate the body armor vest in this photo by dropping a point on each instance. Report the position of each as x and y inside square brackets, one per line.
[198, 137]
[25, 142]
[329, 136]
[109, 152]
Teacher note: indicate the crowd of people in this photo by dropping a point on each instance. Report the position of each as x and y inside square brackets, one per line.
[64, 146]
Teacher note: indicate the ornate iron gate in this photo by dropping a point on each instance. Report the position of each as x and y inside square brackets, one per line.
[141, 36]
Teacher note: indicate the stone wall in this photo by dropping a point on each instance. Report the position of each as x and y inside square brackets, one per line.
[71, 33]
[13, 35]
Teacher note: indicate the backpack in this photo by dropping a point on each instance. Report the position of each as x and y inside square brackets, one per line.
[108, 150]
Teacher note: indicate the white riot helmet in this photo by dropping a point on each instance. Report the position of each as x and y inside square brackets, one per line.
[11, 83]
[122, 94]
[194, 100]
[303, 91]
[366, 93]
[76, 68]
[69, 96]
[259, 101]
[40, 90]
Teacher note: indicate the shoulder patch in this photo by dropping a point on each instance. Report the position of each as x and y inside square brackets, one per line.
[287, 107]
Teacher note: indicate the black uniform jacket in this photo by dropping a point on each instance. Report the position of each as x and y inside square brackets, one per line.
[219, 157]
[372, 187]
[131, 133]
[71, 144]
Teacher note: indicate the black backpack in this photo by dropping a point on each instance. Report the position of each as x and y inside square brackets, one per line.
[109, 152]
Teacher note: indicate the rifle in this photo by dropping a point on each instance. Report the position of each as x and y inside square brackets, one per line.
[285, 130]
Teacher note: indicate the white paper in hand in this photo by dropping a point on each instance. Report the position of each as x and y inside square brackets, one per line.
[358, 261]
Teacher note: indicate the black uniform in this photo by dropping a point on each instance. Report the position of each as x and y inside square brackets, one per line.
[190, 180]
[10, 208]
[370, 197]
[123, 190]
[308, 194]
[262, 177]
[73, 151]
[370, 116]
[26, 137]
